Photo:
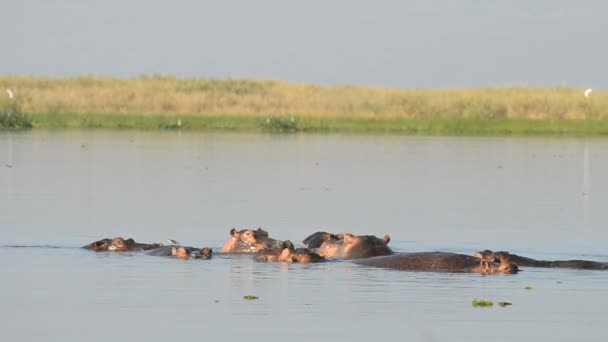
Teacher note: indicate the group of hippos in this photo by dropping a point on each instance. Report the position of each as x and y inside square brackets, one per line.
[366, 250]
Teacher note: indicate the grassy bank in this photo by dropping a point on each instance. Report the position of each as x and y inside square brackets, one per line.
[246, 105]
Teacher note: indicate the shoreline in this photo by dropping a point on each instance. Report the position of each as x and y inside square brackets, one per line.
[292, 124]
[165, 102]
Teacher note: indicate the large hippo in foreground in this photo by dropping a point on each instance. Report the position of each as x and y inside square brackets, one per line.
[355, 247]
[250, 241]
[183, 252]
[529, 262]
[440, 261]
[119, 244]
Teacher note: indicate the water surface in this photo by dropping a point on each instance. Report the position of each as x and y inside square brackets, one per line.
[59, 190]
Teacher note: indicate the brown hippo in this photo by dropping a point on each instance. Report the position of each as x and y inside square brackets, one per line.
[529, 262]
[250, 241]
[355, 247]
[440, 261]
[183, 252]
[316, 240]
[300, 255]
[119, 244]
[306, 256]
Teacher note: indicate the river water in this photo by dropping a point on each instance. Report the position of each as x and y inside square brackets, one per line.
[59, 190]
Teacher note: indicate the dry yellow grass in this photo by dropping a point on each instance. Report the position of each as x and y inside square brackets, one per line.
[164, 95]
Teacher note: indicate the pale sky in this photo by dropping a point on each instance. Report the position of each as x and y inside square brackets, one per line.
[406, 44]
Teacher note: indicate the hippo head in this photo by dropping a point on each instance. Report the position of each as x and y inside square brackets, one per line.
[250, 241]
[316, 239]
[101, 245]
[206, 252]
[273, 255]
[119, 244]
[355, 247]
[180, 252]
[505, 266]
[306, 256]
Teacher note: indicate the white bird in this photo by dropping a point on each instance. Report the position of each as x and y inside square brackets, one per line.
[10, 93]
[588, 92]
[179, 123]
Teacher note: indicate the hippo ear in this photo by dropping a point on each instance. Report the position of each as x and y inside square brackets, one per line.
[348, 237]
[339, 236]
[387, 239]
[262, 232]
[485, 266]
[233, 231]
[288, 244]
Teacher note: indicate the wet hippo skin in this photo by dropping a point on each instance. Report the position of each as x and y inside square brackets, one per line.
[439, 261]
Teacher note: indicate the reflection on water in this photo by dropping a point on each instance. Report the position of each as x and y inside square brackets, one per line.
[538, 197]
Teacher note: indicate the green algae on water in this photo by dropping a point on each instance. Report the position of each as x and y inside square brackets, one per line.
[482, 303]
[503, 304]
[249, 297]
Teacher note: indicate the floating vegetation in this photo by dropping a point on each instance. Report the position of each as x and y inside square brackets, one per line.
[482, 303]
[528, 288]
[249, 297]
[503, 304]
[558, 282]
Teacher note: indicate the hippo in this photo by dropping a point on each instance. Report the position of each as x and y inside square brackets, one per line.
[183, 252]
[306, 256]
[441, 261]
[119, 244]
[316, 239]
[289, 254]
[355, 247]
[529, 262]
[250, 241]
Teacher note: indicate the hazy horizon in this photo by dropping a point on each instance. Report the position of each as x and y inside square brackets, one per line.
[431, 44]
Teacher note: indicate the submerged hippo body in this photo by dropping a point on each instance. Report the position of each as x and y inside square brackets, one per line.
[119, 244]
[183, 252]
[250, 241]
[316, 240]
[529, 262]
[355, 247]
[439, 261]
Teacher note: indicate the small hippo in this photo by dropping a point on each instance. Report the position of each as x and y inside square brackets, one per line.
[316, 239]
[528, 262]
[289, 254]
[306, 256]
[250, 241]
[440, 261]
[183, 252]
[119, 244]
[355, 247]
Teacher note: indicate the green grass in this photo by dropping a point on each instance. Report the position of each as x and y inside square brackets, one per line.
[12, 117]
[290, 124]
